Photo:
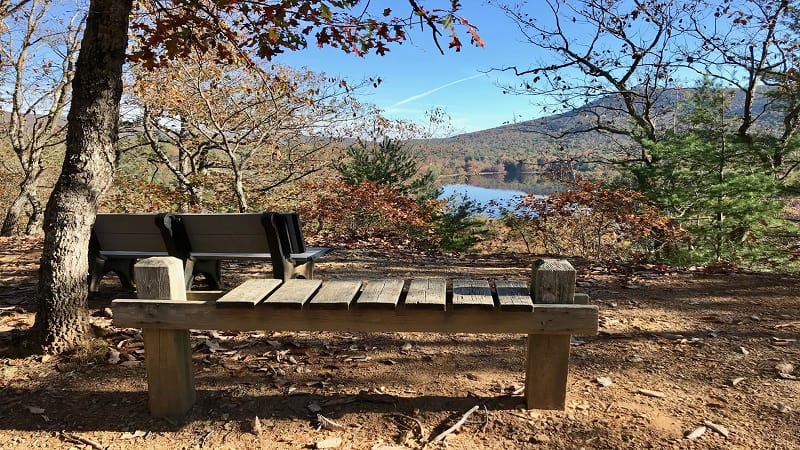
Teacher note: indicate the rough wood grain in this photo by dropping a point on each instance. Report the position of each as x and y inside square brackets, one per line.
[472, 294]
[249, 293]
[552, 282]
[335, 294]
[380, 294]
[294, 293]
[551, 319]
[170, 381]
[513, 295]
[427, 293]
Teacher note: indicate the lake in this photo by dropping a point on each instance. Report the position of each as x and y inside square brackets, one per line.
[495, 187]
[479, 194]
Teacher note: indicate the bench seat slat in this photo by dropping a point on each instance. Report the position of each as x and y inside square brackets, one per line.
[249, 293]
[513, 295]
[427, 293]
[472, 294]
[335, 294]
[294, 293]
[381, 294]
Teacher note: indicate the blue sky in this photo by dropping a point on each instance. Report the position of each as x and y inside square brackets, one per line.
[417, 78]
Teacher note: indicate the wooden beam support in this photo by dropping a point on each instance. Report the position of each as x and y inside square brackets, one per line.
[204, 315]
[552, 282]
[168, 353]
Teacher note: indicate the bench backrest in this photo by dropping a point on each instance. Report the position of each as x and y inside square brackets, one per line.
[221, 233]
[128, 233]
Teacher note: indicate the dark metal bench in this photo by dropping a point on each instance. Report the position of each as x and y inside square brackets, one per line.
[546, 312]
[201, 241]
[204, 240]
[118, 241]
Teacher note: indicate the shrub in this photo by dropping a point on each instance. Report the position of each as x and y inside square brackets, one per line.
[341, 212]
[591, 221]
[457, 225]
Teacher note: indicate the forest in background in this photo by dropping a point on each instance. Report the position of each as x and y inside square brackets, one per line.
[655, 169]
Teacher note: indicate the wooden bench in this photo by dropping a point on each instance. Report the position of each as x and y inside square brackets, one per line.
[201, 241]
[545, 312]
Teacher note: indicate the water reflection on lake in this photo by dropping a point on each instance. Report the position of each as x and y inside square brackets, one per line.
[481, 195]
[497, 188]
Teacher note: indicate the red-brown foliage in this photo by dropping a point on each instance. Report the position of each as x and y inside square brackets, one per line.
[339, 212]
[591, 221]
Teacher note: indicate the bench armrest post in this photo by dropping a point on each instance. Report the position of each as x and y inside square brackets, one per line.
[552, 281]
[168, 353]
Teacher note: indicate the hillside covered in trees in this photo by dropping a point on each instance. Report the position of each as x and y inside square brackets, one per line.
[573, 136]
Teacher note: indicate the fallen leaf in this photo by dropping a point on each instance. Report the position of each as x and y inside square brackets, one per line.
[717, 427]
[329, 443]
[785, 370]
[134, 435]
[35, 409]
[212, 346]
[781, 408]
[328, 424]
[604, 381]
[8, 372]
[696, 433]
[113, 356]
[650, 393]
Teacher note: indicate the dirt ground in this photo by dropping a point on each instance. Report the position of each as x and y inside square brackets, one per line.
[679, 352]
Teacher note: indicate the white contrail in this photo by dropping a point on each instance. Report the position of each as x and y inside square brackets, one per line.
[431, 91]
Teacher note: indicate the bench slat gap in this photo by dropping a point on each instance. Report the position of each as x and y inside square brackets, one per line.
[249, 293]
[294, 293]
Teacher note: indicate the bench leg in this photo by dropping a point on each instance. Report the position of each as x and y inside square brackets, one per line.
[96, 265]
[168, 353]
[211, 269]
[170, 381]
[305, 270]
[546, 373]
[552, 281]
[99, 266]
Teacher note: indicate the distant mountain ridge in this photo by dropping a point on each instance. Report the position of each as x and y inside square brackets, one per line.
[564, 135]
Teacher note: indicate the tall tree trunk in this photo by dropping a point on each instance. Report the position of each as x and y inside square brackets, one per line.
[62, 320]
